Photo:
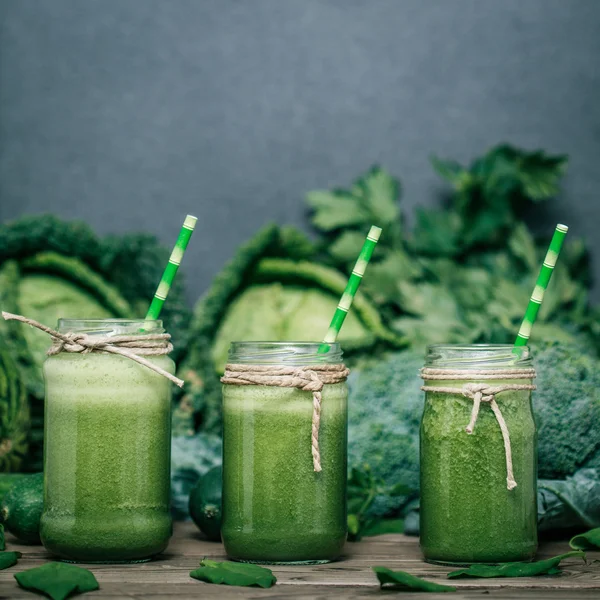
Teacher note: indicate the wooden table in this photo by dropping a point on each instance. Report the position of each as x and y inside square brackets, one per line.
[351, 577]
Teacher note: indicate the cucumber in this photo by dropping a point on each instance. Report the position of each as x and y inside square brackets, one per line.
[205, 503]
[7, 480]
[22, 506]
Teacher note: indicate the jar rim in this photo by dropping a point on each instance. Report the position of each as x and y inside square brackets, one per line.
[288, 353]
[110, 326]
[477, 355]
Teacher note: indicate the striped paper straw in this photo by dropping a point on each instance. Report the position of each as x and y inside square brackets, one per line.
[351, 287]
[541, 284]
[171, 269]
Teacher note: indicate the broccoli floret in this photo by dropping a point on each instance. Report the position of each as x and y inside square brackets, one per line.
[567, 410]
[384, 415]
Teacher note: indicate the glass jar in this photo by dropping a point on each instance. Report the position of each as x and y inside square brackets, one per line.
[468, 513]
[276, 508]
[106, 450]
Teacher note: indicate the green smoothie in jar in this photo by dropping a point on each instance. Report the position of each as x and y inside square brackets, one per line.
[106, 450]
[276, 507]
[478, 489]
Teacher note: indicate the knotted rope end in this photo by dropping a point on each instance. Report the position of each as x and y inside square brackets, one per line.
[511, 484]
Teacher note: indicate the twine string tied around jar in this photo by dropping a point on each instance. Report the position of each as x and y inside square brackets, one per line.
[308, 378]
[134, 347]
[483, 392]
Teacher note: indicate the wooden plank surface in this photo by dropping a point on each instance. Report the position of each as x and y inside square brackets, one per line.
[351, 577]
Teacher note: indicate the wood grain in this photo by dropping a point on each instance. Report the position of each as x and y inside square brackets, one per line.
[351, 577]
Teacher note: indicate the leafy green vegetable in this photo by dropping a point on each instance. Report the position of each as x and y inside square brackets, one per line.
[570, 503]
[14, 413]
[266, 293]
[550, 566]
[400, 580]
[57, 580]
[8, 559]
[465, 273]
[50, 268]
[385, 404]
[385, 407]
[590, 540]
[372, 199]
[567, 410]
[363, 489]
[116, 274]
[232, 573]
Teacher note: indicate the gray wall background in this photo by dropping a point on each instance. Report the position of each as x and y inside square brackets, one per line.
[131, 113]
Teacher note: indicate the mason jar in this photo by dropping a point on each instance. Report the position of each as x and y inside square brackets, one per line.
[278, 507]
[478, 455]
[107, 442]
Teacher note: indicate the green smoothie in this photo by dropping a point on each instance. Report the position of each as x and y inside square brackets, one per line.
[276, 509]
[106, 458]
[467, 513]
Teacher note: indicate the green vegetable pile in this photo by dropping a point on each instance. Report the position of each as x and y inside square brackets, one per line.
[51, 268]
[460, 273]
[463, 273]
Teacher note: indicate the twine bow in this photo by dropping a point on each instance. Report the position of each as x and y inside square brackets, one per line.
[308, 379]
[482, 392]
[134, 347]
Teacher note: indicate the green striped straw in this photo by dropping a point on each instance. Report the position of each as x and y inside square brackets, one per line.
[351, 287]
[541, 284]
[171, 269]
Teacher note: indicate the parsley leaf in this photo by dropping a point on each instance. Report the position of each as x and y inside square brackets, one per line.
[372, 200]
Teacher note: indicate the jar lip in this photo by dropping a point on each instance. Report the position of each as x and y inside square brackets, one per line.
[278, 352]
[474, 346]
[477, 356]
[111, 326]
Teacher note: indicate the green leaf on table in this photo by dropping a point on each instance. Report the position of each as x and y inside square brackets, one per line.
[590, 540]
[233, 573]
[8, 559]
[400, 580]
[550, 566]
[57, 580]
